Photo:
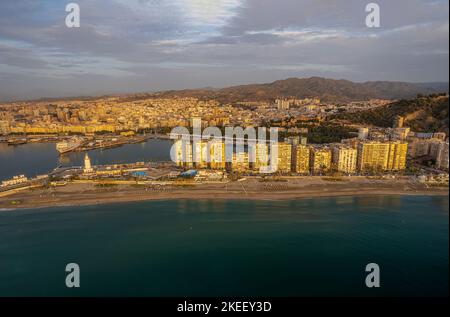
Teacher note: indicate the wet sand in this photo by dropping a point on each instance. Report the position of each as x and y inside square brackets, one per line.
[251, 188]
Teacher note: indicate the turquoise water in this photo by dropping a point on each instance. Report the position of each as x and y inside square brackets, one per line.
[40, 158]
[312, 247]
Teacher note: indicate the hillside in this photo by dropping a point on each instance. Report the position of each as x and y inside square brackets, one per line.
[425, 114]
[329, 90]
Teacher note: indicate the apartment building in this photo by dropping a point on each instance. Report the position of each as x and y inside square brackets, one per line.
[345, 159]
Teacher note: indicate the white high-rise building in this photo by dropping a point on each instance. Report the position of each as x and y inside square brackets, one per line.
[217, 154]
[200, 154]
[442, 159]
[363, 133]
[182, 153]
[283, 104]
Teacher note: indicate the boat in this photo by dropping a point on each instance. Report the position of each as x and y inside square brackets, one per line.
[139, 139]
[17, 141]
[68, 146]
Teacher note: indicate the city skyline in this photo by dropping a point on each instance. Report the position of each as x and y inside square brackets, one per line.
[136, 46]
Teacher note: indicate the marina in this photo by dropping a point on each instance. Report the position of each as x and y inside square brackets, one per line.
[78, 144]
[33, 159]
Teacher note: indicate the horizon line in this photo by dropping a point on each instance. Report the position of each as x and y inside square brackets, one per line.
[112, 94]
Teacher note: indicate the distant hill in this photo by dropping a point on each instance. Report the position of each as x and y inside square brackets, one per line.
[329, 90]
[424, 114]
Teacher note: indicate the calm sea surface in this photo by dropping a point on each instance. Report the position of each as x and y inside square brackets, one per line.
[229, 248]
[39, 158]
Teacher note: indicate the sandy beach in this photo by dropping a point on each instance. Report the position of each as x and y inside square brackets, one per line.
[250, 188]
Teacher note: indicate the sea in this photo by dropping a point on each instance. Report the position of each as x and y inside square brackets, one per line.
[307, 247]
[34, 159]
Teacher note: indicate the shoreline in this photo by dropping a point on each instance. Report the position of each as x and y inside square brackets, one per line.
[160, 199]
[75, 195]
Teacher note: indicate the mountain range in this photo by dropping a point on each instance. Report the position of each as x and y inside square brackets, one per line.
[328, 90]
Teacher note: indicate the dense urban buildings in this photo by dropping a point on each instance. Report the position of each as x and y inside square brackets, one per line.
[374, 153]
[118, 114]
[372, 150]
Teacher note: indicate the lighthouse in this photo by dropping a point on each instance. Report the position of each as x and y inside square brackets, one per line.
[87, 165]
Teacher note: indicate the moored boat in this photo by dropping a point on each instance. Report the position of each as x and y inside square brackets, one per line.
[17, 141]
[68, 146]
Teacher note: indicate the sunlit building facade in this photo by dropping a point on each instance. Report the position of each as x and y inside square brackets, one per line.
[217, 155]
[200, 154]
[240, 162]
[382, 156]
[320, 160]
[259, 156]
[397, 156]
[282, 153]
[300, 159]
[344, 159]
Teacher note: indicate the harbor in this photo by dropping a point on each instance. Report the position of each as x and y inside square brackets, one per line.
[38, 158]
[76, 143]
[80, 144]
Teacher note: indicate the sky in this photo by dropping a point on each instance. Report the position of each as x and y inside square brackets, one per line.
[126, 46]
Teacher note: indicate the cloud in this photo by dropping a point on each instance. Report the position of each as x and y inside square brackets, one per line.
[136, 45]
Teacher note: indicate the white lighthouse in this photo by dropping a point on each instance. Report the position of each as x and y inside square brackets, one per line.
[87, 165]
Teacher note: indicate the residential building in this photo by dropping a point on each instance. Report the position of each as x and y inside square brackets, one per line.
[240, 162]
[373, 156]
[382, 156]
[344, 159]
[259, 156]
[200, 154]
[442, 159]
[363, 133]
[320, 160]
[283, 156]
[301, 159]
[397, 156]
[217, 154]
[5, 128]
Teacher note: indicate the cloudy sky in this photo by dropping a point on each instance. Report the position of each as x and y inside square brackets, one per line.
[148, 45]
